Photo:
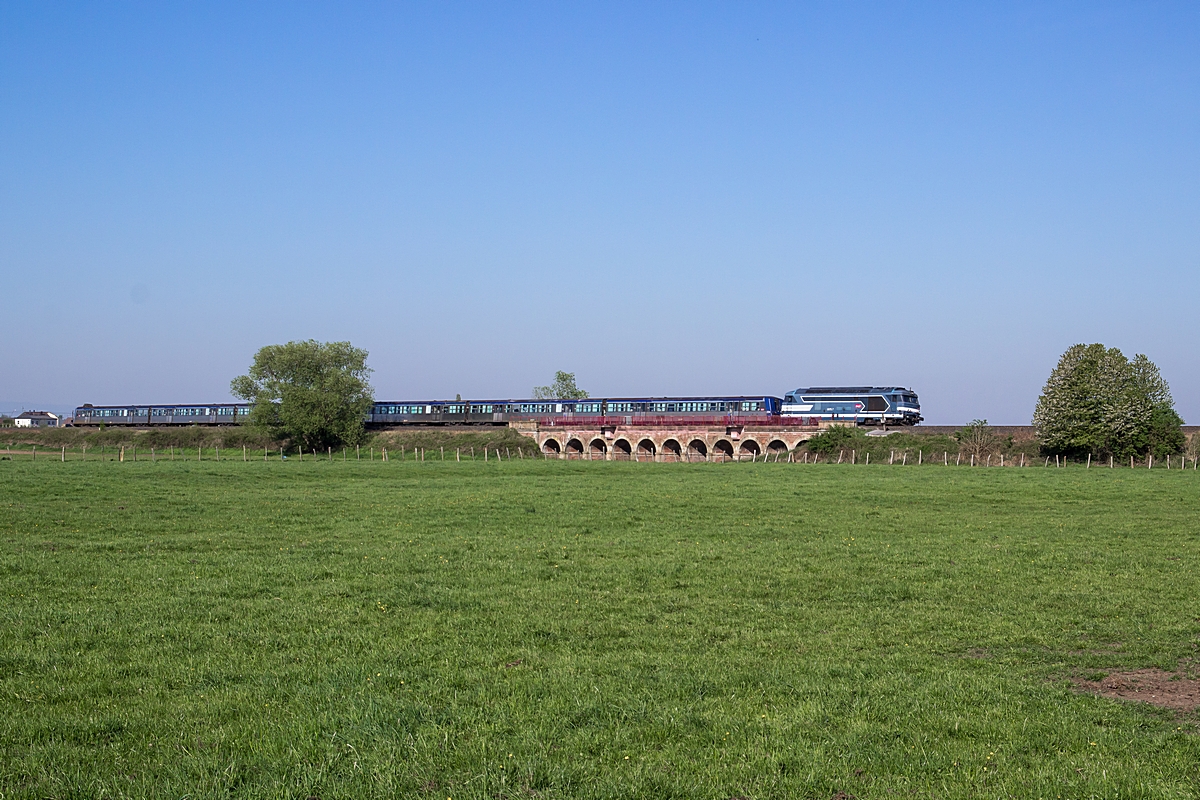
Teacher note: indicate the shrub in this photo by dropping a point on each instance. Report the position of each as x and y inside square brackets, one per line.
[831, 440]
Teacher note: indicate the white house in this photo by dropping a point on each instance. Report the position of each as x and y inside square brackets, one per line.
[36, 419]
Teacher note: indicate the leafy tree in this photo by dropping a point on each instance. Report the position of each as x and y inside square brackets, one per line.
[1097, 401]
[313, 393]
[563, 388]
[1164, 435]
[977, 439]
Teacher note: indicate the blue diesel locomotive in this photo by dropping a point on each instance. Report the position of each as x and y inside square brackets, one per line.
[864, 405]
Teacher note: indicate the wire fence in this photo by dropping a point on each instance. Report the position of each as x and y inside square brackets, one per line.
[421, 455]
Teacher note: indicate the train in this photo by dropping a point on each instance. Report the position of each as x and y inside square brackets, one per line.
[861, 405]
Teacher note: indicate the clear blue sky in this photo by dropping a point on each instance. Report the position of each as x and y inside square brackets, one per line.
[663, 198]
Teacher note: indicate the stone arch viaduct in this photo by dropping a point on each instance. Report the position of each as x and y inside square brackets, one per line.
[631, 441]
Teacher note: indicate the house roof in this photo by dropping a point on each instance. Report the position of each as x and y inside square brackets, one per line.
[37, 415]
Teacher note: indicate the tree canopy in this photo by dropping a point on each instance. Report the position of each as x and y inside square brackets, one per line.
[315, 394]
[563, 388]
[1097, 401]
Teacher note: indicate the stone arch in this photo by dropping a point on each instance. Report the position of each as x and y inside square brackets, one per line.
[749, 447]
[777, 446]
[723, 450]
[672, 450]
[574, 448]
[597, 448]
[646, 449]
[551, 447]
[622, 450]
[697, 450]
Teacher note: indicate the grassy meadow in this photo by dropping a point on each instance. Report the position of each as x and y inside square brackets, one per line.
[590, 630]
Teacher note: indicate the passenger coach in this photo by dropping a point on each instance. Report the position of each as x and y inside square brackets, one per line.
[150, 416]
[500, 412]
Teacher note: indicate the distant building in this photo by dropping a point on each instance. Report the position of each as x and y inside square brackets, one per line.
[36, 419]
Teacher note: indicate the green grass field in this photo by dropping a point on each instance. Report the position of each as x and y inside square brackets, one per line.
[590, 630]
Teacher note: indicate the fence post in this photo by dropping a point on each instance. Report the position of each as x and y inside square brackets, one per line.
[1150, 461]
[244, 456]
[868, 461]
[972, 459]
[358, 452]
[64, 454]
[1089, 464]
[457, 454]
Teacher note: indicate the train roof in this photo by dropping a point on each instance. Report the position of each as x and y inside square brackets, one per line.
[161, 405]
[578, 400]
[850, 390]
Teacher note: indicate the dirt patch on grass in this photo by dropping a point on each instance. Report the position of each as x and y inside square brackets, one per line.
[1154, 686]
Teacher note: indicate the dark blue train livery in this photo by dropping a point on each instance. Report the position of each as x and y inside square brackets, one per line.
[862, 405]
